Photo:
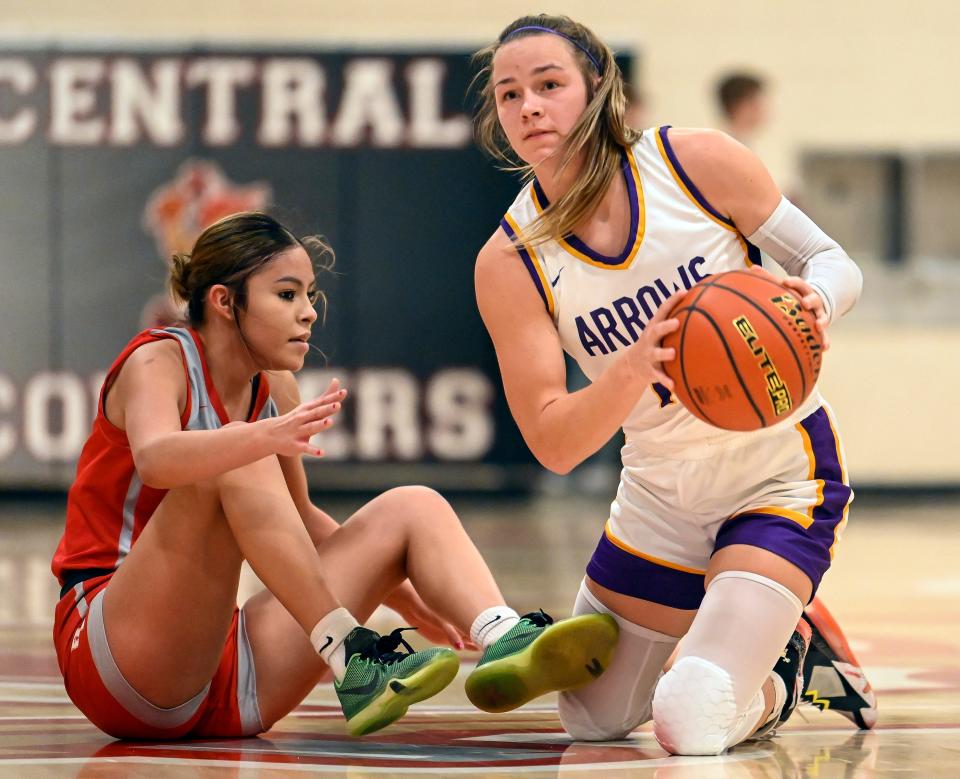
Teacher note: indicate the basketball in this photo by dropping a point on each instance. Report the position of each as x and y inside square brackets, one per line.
[747, 353]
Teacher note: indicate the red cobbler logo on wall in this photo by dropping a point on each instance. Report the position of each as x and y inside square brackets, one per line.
[176, 213]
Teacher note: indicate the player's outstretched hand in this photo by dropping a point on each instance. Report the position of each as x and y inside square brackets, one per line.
[646, 355]
[809, 298]
[291, 432]
[408, 604]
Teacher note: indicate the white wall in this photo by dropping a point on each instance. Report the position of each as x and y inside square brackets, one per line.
[896, 393]
[846, 74]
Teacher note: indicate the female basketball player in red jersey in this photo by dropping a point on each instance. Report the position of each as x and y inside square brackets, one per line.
[716, 536]
[193, 465]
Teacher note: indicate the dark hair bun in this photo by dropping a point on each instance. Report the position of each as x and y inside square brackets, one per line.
[180, 276]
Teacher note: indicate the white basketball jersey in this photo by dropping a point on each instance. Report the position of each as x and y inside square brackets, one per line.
[601, 304]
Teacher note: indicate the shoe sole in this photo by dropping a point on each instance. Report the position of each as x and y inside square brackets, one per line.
[400, 694]
[564, 656]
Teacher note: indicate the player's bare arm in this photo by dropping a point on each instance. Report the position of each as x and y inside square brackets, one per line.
[730, 176]
[562, 429]
[149, 397]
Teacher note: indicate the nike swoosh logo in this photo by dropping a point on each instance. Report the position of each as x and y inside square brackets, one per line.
[328, 642]
[594, 668]
[368, 687]
[554, 282]
[495, 619]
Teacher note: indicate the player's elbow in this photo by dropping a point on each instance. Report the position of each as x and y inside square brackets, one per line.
[545, 437]
[151, 477]
[557, 466]
[150, 468]
[856, 280]
[554, 459]
[849, 285]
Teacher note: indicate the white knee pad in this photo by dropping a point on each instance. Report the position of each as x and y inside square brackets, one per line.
[711, 699]
[612, 706]
[695, 709]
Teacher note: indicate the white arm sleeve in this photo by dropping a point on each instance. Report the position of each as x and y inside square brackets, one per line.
[802, 249]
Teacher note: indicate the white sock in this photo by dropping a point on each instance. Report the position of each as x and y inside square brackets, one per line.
[327, 638]
[779, 696]
[491, 624]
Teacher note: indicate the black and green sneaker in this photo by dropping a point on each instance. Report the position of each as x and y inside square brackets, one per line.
[380, 683]
[537, 656]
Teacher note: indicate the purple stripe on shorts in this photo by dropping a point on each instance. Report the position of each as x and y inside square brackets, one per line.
[826, 457]
[807, 548]
[620, 571]
[784, 537]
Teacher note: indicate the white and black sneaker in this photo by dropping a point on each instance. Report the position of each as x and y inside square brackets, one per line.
[790, 669]
[833, 677]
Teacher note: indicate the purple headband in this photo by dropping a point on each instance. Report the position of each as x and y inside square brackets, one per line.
[562, 35]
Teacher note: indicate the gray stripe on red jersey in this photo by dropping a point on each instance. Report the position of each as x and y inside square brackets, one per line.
[129, 517]
[203, 416]
[78, 594]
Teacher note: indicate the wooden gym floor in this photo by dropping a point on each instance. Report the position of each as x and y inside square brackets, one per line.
[895, 589]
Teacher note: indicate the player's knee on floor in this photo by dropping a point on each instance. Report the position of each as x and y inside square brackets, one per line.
[584, 723]
[694, 708]
[610, 707]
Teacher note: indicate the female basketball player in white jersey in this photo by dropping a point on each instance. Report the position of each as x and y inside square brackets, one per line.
[194, 465]
[715, 536]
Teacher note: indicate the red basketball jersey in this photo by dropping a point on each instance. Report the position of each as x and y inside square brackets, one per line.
[108, 505]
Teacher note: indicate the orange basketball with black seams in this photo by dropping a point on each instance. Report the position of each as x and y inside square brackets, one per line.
[747, 353]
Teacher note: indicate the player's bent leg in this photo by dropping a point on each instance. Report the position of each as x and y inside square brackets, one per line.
[273, 539]
[611, 706]
[712, 697]
[94, 682]
[391, 538]
[170, 604]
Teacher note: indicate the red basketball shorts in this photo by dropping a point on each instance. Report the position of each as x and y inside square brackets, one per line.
[226, 707]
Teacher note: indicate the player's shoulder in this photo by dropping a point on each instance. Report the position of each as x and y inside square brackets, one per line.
[704, 145]
[724, 170]
[498, 263]
[498, 246]
[502, 283]
[156, 365]
[161, 354]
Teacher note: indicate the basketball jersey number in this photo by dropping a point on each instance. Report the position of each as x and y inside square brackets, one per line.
[666, 398]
